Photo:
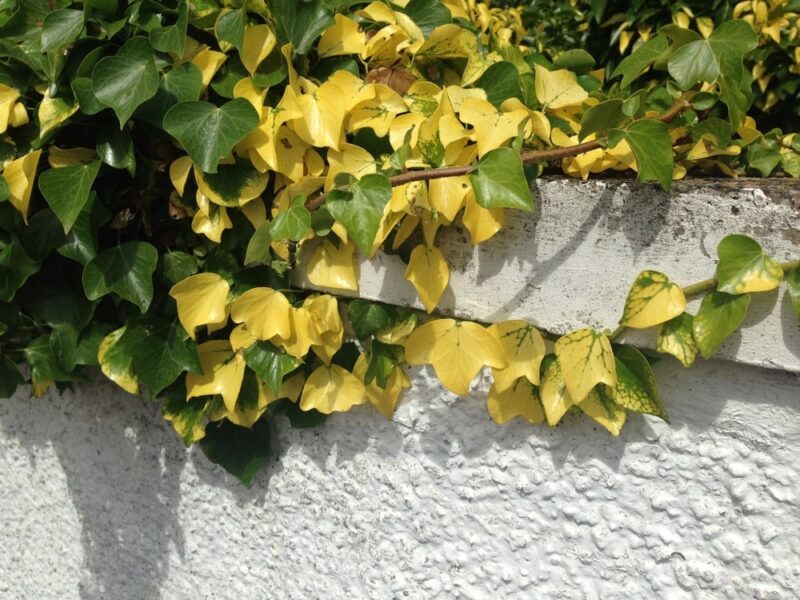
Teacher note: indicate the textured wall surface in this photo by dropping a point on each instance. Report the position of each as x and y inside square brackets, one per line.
[99, 500]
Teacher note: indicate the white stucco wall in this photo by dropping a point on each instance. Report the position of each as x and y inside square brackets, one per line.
[99, 500]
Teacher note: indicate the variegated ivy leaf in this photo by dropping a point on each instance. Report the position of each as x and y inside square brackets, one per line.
[653, 299]
[115, 364]
[636, 385]
[586, 360]
[601, 407]
[676, 337]
[187, 417]
[524, 349]
[744, 267]
[719, 316]
[553, 391]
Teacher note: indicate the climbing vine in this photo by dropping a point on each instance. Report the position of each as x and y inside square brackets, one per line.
[171, 170]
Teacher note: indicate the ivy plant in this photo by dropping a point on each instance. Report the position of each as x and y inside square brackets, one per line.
[169, 170]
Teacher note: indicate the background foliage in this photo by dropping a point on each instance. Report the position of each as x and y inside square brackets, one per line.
[169, 169]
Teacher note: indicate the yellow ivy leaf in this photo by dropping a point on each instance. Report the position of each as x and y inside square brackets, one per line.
[384, 399]
[520, 400]
[245, 416]
[201, 300]
[326, 324]
[121, 374]
[223, 371]
[456, 349]
[323, 116]
[384, 47]
[428, 272]
[555, 89]
[255, 212]
[19, 116]
[251, 189]
[492, 128]
[448, 195]
[331, 388]
[350, 159]
[53, 112]
[210, 220]
[586, 360]
[378, 113]
[190, 426]
[208, 61]
[332, 267]
[265, 311]
[8, 98]
[258, 42]
[70, 157]
[19, 175]
[653, 299]
[302, 333]
[179, 173]
[241, 337]
[246, 89]
[553, 392]
[482, 223]
[524, 350]
[599, 405]
[343, 37]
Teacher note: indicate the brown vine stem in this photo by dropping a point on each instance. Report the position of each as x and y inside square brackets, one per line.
[527, 157]
[703, 287]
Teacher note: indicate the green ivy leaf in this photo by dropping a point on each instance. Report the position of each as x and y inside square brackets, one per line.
[259, 245]
[208, 132]
[636, 385]
[744, 267]
[428, 14]
[382, 360]
[127, 79]
[184, 83]
[719, 316]
[176, 266]
[577, 60]
[300, 23]
[652, 148]
[763, 158]
[64, 346]
[66, 190]
[15, 267]
[81, 244]
[10, 377]
[269, 363]
[43, 364]
[676, 337]
[230, 27]
[241, 452]
[172, 38]
[499, 181]
[368, 317]
[693, 63]
[601, 118]
[115, 148]
[500, 81]
[161, 351]
[3, 189]
[292, 224]
[126, 270]
[60, 27]
[361, 209]
[640, 59]
[793, 284]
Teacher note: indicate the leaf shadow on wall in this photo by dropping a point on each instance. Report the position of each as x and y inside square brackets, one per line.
[128, 520]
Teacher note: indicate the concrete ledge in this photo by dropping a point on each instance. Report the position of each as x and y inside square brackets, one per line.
[570, 264]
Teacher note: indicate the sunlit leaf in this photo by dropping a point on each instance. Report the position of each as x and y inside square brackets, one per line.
[117, 365]
[719, 316]
[429, 274]
[586, 360]
[556, 89]
[636, 385]
[361, 209]
[520, 399]
[653, 299]
[524, 350]
[201, 300]
[499, 181]
[333, 267]
[456, 349]
[265, 311]
[676, 337]
[553, 391]
[600, 407]
[331, 388]
[744, 267]
[222, 371]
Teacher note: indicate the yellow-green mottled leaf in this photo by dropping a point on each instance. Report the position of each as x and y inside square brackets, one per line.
[719, 316]
[599, 405]
[744, 267]
[793, 283]
[676, 337]
[653, 299]
[187, 417]
[636, 385]
[524, 349]
[586, 360]
[553, 391]
[117, 364]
